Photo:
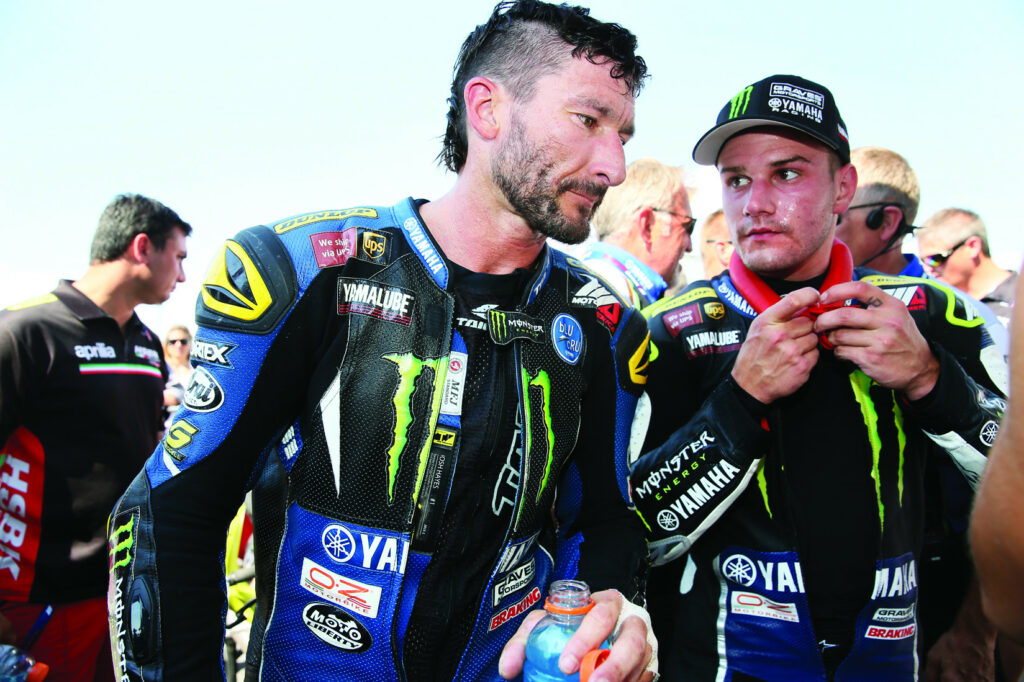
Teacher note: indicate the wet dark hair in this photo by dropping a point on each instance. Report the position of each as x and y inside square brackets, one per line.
[525, 40]
[128, 215]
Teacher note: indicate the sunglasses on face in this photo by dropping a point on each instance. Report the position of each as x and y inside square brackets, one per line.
[688, 222]
[937, 259]
[184, 342]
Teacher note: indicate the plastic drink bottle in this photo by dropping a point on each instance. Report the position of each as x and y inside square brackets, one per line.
[17, 666]
[568, 601]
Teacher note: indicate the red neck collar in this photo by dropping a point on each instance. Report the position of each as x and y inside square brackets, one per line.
[761, 296]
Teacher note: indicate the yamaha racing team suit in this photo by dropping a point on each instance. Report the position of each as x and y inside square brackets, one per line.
[797, 525]
[427, 449]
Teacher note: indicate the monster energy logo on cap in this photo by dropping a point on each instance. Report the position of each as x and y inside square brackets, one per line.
[777, 101]
[738, 104]
[507, 326]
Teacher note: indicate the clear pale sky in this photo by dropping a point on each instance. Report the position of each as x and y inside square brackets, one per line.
[236, 114]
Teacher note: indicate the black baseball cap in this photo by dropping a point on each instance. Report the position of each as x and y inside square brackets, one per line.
[787, 101]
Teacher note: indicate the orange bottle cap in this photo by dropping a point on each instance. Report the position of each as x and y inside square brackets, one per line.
[591, 660]
[575, 611]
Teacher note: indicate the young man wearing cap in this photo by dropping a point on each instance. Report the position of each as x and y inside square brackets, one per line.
[789, 475]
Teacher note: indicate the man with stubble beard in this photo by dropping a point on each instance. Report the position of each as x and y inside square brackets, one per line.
[430, 406]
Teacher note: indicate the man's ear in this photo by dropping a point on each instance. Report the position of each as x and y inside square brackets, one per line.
[140, 249]
[891, 221]
[973, 244]
[645, 222]
[846, 181]
[482, 96]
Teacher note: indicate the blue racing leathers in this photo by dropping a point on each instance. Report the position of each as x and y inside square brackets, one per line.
[329, 380]
[795, 527]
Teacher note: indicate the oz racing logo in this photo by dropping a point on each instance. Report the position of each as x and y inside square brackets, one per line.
[338, 543]
[668, 520]
[739, 569]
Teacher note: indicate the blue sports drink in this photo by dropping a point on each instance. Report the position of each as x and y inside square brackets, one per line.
[17, 666]
[568, 601]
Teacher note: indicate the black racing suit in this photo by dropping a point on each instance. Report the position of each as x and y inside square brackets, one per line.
[396, 495]
[797, 525]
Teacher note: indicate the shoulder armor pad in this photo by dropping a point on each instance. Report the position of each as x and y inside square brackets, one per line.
[319, 216]
[952, 303]
[595, 290]
[250, 285]
[699, 290]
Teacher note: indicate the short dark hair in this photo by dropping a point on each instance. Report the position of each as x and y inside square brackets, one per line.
[524, 40]
[128, 215]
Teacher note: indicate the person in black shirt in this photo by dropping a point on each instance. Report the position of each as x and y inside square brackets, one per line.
[81, 398]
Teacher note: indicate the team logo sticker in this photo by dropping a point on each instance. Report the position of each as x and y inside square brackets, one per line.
[750, 604]
[212, 352]
[364, 297]
[375, 552]
[989, 432]
[592, 295]
[375, 246]
[147, 354]
[338, 542]
[894, 615]
[178, 438]
[333, 248]
[567, 337]
[506, 615]
[680, 318]
[878, 632]
[739, 569]
[454, 384]
[319, 216]
[514, 581]
[668, 520]
[714, 310]
[507, 326]
[610, 315]
[203, 394]
[335, 627]
[354, 595]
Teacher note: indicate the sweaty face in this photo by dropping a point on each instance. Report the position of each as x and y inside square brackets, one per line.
[562, 150]
[780, 196]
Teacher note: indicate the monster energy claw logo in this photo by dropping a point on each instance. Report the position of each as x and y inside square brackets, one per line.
[122, 540]
[506, 327]
[738, 104]
[499, 324]
[409, 369]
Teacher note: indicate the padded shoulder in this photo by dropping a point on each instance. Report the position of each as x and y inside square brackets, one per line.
[251, 284]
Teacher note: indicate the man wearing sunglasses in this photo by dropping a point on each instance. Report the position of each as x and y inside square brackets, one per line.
[644, 226]
[954, 246]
